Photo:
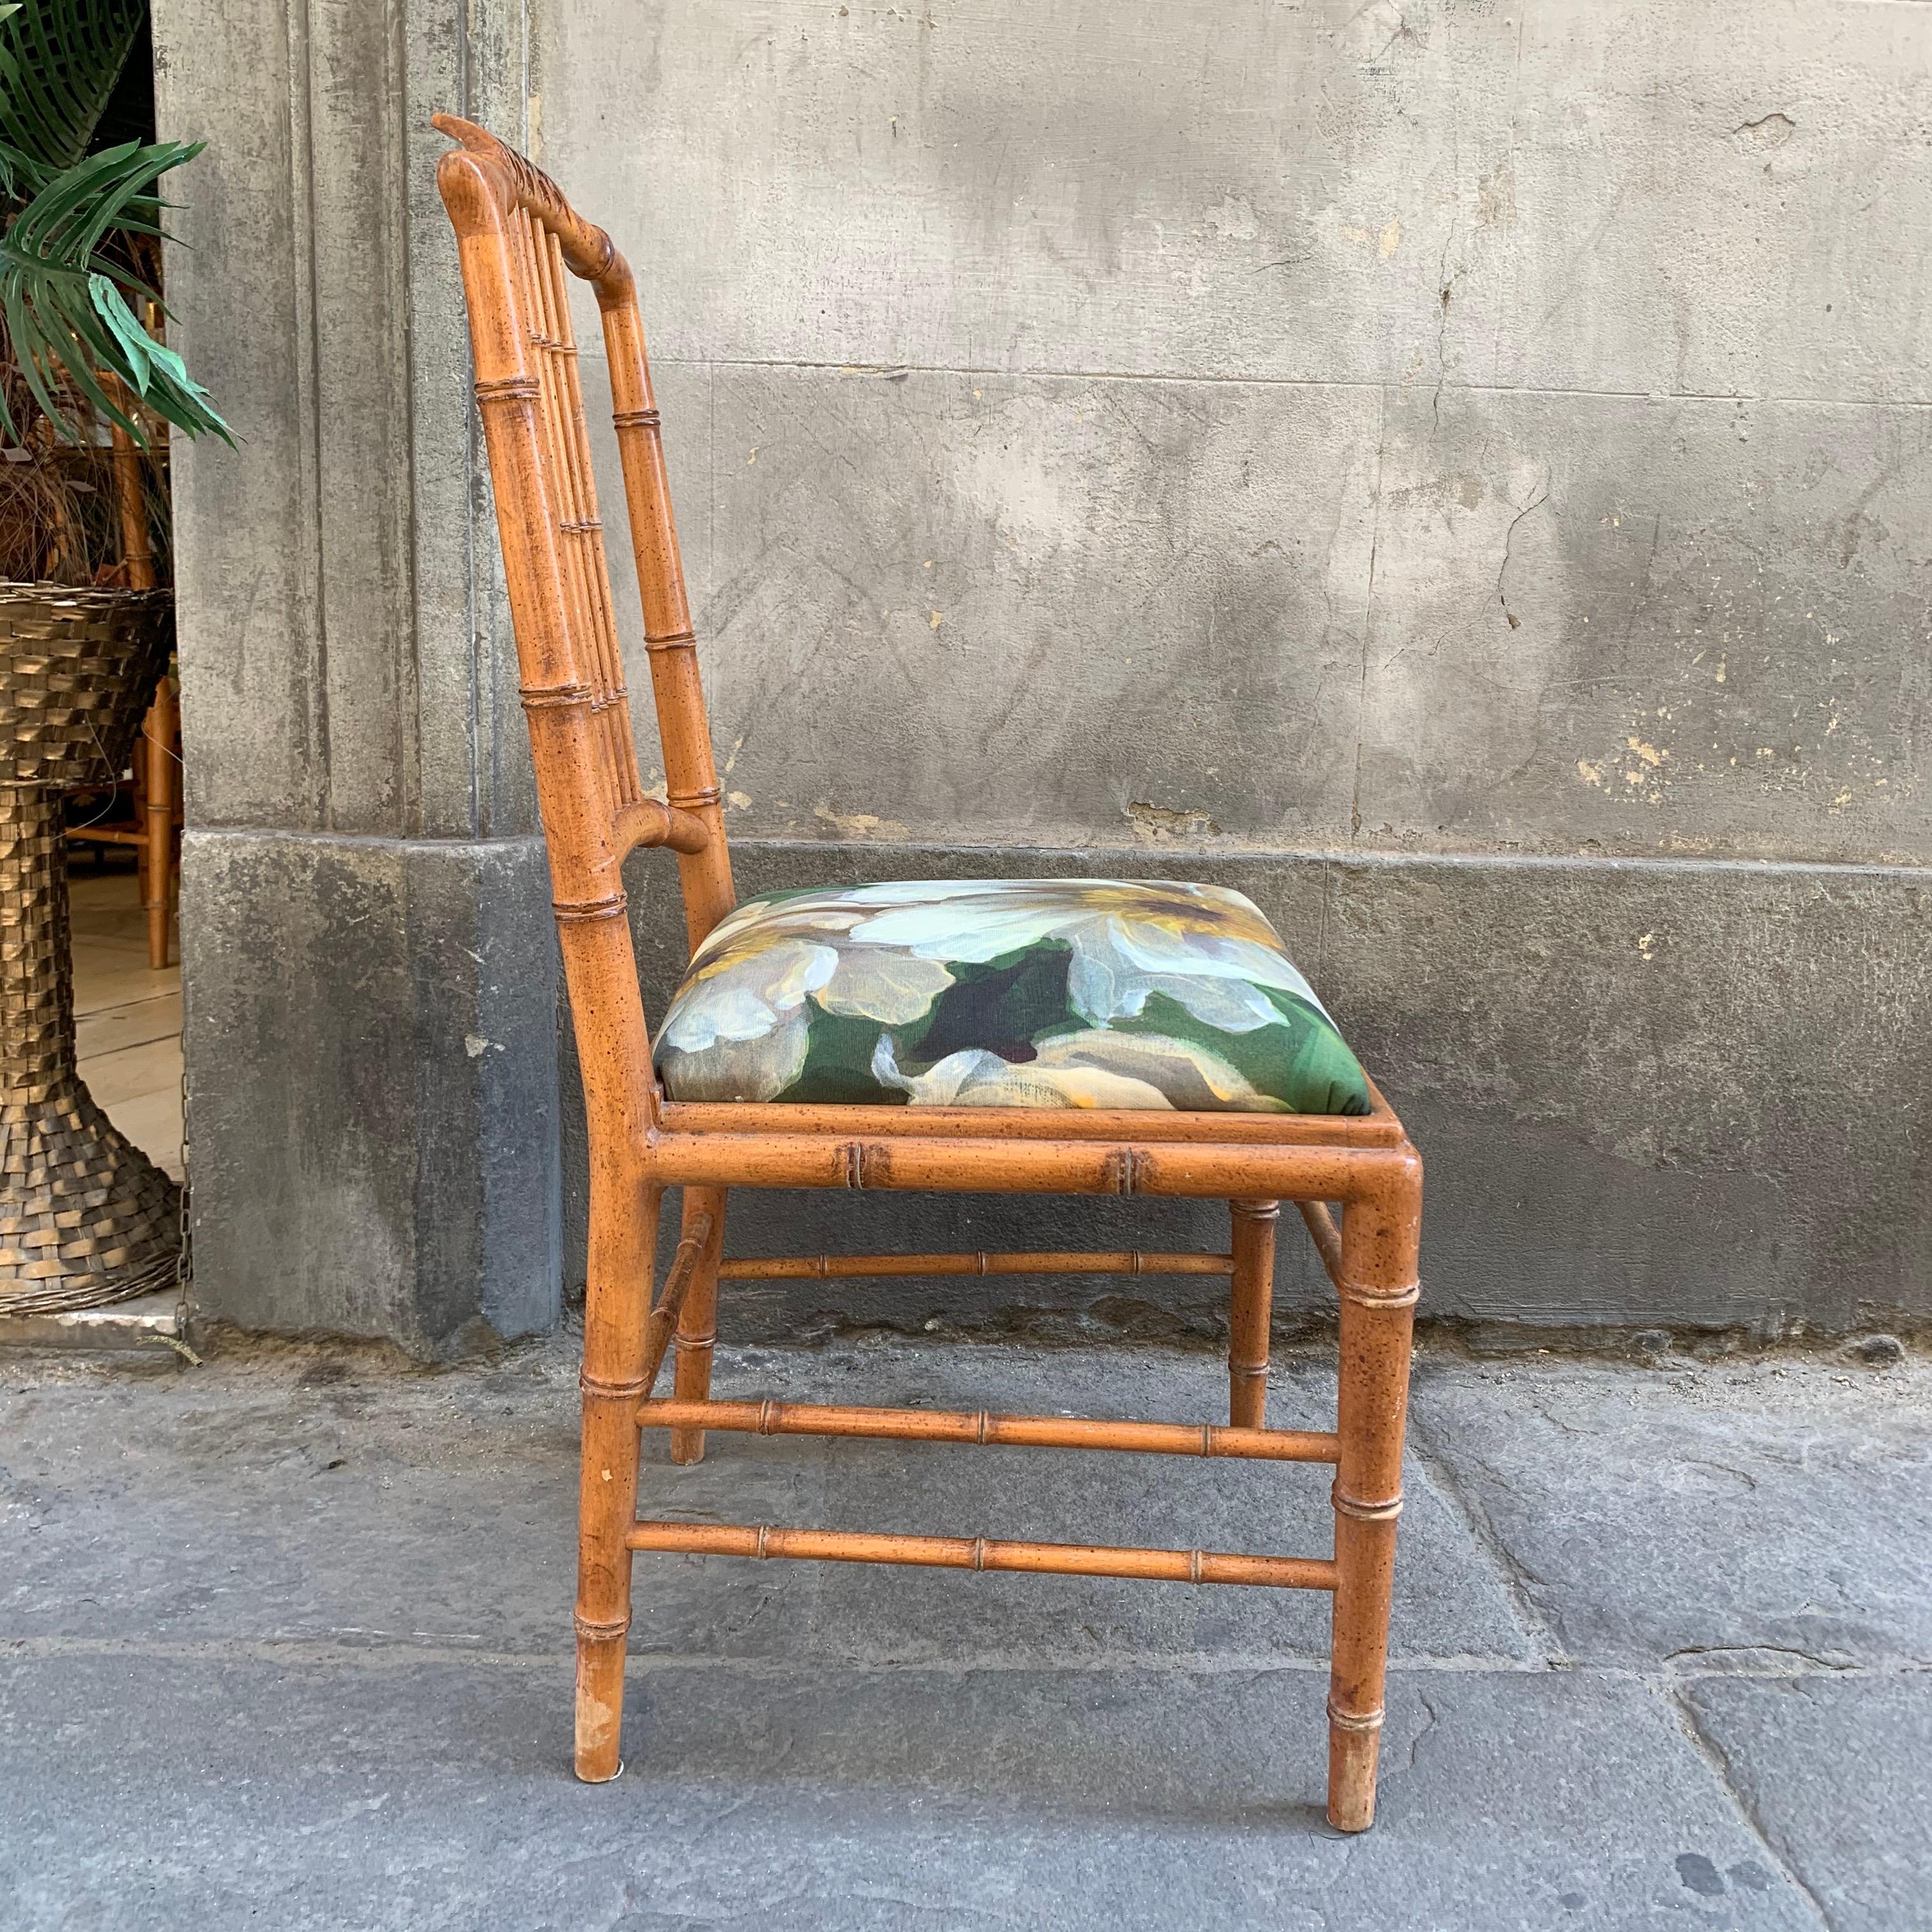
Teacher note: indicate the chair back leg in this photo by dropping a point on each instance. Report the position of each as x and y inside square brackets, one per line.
[156, 756]
[1251, 1306]
[1378, 1293]
[698, 1320]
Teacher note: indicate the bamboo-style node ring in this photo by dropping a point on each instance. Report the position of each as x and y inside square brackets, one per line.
[635, 419]
[1365, 1512]
[508, 389]
[593, 1630]
[1354, 1720]
[672, 640]
[554, 697]
[631, 1389]
[583, 912]
[1364, 1297]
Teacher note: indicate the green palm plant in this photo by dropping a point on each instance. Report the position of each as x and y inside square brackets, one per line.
[81, 222]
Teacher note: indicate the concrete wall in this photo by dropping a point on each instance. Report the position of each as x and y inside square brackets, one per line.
[1456, 469]
[369, 967]
[1379, 418]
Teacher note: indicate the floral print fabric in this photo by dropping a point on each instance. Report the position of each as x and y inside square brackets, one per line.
[1005, 993]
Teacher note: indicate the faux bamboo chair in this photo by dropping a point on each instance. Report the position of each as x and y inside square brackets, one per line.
[517, 235]
[154, 827]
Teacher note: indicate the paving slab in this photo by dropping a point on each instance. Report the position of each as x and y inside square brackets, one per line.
[284, 1639]
[155, 1792]
[312, 1494]
[1834, 1770]
[1776, 1506]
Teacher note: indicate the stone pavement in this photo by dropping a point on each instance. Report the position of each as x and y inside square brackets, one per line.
[284, 1641]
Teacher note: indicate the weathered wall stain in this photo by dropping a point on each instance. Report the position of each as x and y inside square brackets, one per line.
[1463, 466]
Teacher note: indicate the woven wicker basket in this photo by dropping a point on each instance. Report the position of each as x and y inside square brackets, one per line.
[85, 1217]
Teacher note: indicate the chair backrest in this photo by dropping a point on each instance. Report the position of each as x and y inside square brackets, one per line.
[517, 235]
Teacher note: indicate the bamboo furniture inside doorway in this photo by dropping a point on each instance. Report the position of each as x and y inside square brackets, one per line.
[153, 828]
[517, 237]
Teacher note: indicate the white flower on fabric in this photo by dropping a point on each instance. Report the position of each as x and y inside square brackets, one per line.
[1094, 1068]
[741, 1015]
[749, 1001]
[1207, 948]
[873, 984]
[751, 1024]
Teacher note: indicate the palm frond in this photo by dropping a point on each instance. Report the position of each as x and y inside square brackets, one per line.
[20, 174]
[63, 303]
[59, 62]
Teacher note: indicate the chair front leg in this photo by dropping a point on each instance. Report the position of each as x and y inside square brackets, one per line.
[698, 1320]
[623, 1248]
[1377, 1294]
[1251, 1304]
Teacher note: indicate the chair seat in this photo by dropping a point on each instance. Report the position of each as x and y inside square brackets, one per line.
[1005, 993]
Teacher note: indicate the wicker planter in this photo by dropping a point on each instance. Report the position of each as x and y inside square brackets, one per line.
[85, 1217]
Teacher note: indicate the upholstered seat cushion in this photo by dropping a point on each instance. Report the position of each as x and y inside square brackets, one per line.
[1005, 993]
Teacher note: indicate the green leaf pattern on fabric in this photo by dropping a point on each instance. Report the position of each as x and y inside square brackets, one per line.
[1005, 993]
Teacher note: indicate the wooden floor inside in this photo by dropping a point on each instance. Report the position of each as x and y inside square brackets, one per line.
[127, 1017]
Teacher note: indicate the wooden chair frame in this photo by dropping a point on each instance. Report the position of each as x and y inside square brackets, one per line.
[153, 828]
[517, 236]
